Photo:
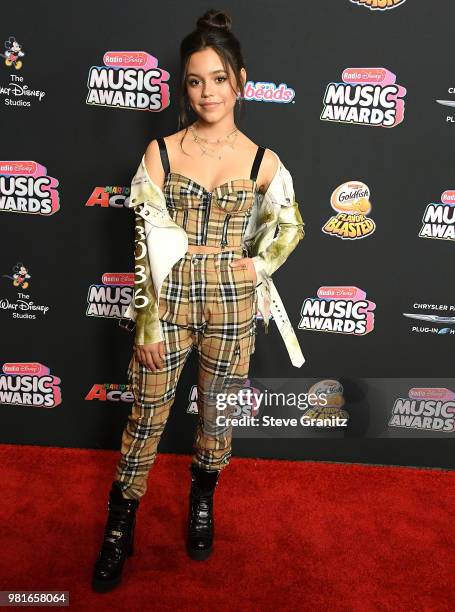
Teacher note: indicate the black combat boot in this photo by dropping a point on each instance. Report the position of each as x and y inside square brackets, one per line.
[118, 540]
[200, 517]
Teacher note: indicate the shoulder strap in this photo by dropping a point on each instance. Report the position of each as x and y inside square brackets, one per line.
[164, 155]
[257, 162]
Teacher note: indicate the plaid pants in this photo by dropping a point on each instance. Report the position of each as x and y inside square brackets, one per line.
[207, 305]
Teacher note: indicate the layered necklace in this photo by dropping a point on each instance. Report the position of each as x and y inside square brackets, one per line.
[223, 145]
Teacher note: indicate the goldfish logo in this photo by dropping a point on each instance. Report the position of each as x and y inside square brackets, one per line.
[333, 401]
[379, 5]
[352, 202]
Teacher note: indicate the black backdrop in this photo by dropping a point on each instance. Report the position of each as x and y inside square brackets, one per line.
[305, 45]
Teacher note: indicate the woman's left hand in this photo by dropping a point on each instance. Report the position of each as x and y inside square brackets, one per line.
[247, 264]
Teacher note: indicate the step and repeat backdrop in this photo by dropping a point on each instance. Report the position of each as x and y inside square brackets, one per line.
[357, 97]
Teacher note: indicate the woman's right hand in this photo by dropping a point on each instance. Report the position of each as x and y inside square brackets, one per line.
[151, 355]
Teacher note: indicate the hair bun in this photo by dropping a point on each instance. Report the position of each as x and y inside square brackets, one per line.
[214, 19]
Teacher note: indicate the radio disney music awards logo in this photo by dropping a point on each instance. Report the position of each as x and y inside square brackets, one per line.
[429, 409]
[340, 310]
[246, 401]
[264, 91]
[19, 303]
[367, 96]
[110, 392]
[29, 384]
[351, 201]
[438, 221]
[430, 323]
[16, 92]
[379, 5]
[25, 188]
[111, 299]
[128, 79]
[109, 196]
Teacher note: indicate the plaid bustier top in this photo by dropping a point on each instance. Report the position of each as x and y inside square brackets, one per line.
[213, 218]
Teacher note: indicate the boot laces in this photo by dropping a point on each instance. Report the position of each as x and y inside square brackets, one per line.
[117, 528]
[201, 511]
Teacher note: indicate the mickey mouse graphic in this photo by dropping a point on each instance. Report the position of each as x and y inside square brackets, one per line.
[13, 51]
[20, 276]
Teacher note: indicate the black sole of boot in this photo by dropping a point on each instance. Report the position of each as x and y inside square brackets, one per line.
[199, 555]
[103, 586]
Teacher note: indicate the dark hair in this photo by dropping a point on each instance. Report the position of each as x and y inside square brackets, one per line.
[213, 29]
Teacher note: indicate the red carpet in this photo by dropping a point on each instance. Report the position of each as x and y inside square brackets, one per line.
[289, 535]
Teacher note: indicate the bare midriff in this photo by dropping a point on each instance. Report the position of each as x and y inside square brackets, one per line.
[194, 248]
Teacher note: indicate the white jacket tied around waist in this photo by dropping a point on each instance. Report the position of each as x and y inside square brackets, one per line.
[160, 243]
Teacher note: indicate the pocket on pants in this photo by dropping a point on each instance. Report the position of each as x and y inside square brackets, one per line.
[241, 278]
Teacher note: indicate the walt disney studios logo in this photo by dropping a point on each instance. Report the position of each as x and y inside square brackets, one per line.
[22, 307]
[17, 88]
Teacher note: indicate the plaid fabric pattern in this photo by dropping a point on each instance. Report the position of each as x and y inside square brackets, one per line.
[209, 306]
[203, 290]
[211, 218]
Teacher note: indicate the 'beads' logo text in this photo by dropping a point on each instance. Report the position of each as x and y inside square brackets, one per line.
[268, 92]
[367, 96]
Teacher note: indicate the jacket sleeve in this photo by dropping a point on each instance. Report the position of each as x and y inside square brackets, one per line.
[289, 222]
[148, 327]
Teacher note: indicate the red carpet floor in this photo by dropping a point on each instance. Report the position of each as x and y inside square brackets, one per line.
[289, 535]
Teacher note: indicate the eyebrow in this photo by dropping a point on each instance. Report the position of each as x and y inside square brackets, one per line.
[212, 72]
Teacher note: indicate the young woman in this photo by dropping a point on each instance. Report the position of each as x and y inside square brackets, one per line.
[207, 201]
